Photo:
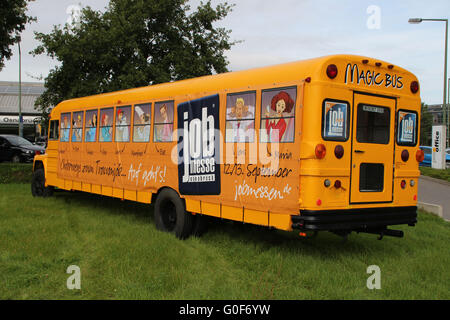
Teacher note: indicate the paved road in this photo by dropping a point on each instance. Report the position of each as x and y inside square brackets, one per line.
[435, 191]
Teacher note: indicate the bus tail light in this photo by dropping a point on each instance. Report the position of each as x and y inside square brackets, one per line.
[339, 151]
[405, 155]
[320, 151]
[420, 155]
[414, 87]
[332, 71]
[337, 184]
[403, 184]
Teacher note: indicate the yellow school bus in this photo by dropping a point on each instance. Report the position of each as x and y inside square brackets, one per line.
[326, 144]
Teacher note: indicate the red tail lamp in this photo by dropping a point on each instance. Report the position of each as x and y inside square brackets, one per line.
[414, 87]
[337, 184]
[332, 71]
[420, 155]
[403, 184]
[37, 153]
[320, 151]
[339, 151]
[405, 155]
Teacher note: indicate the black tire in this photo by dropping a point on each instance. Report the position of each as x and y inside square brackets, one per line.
[171, 215]
[199, 225]
[38, 188]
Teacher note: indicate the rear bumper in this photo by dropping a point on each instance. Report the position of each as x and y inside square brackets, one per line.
[354, 219]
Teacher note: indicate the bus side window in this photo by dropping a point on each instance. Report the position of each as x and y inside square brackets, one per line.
[141, 122]
[106, 125]
[90, 126]
[123, 123]
[65, 127]
[77, 126]
[240, 117]
[163, 122]
[54, 130]
[278, 114]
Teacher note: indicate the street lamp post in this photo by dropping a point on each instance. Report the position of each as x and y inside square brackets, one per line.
[20, 94]
[444, 104]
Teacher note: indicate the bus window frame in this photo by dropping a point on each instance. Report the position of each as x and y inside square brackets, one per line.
[54, 132]
[73, 127]
[416, 128]
[116, 108]
[162, 123]
[112, 124]
[261, 118]
[61, 128]
[85, 125]
[356, 120]
[349, 114]
[255, 92]
[151, 103]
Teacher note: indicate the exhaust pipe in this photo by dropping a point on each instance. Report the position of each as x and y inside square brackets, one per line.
[383, 232]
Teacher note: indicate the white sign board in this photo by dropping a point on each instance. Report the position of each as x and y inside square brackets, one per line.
[438, 145]
[26, 120]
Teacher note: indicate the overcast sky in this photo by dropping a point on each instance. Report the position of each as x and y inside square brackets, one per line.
[287, 30]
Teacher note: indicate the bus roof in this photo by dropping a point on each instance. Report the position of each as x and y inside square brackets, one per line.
[349, 71]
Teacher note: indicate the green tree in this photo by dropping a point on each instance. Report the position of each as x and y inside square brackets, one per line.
[133, 43]
[426, 123]
[13, 19]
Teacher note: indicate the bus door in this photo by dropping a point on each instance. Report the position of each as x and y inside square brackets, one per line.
[372, 149]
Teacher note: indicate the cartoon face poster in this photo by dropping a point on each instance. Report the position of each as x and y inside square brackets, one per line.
[240, 116]
[277, 115]
[123, 120]
[163, 122]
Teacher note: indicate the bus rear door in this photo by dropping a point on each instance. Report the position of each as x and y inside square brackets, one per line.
[372, 149]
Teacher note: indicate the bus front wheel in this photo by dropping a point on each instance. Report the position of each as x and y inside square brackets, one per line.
[171, 215]
[38, 188]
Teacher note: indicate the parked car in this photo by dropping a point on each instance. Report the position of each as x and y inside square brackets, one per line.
[428, 157]
[17, 149]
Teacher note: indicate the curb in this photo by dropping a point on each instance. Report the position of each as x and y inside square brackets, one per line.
[432, 208]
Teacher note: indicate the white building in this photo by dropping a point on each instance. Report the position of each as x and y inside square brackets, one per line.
[9, 108]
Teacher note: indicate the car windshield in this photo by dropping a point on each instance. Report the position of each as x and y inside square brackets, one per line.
[18, 141]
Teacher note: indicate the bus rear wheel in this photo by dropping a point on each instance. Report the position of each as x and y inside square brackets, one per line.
[38, 188]
[171, 215]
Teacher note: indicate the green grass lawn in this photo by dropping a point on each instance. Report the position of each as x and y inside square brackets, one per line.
[16, 172]
[122, 256]
[435, 173]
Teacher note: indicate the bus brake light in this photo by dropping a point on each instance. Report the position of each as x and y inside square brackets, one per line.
[332, 71]
[414, 87]
[405, 155]
[320, 151]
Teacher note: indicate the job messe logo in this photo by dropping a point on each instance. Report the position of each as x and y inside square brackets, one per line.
[407, 123]
[371, 77]
[198, 146]
[335, 120]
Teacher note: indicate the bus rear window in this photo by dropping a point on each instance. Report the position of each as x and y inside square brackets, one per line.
[406, 128]
[373, 124]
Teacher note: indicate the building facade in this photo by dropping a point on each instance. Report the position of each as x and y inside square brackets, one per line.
[9, 109]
